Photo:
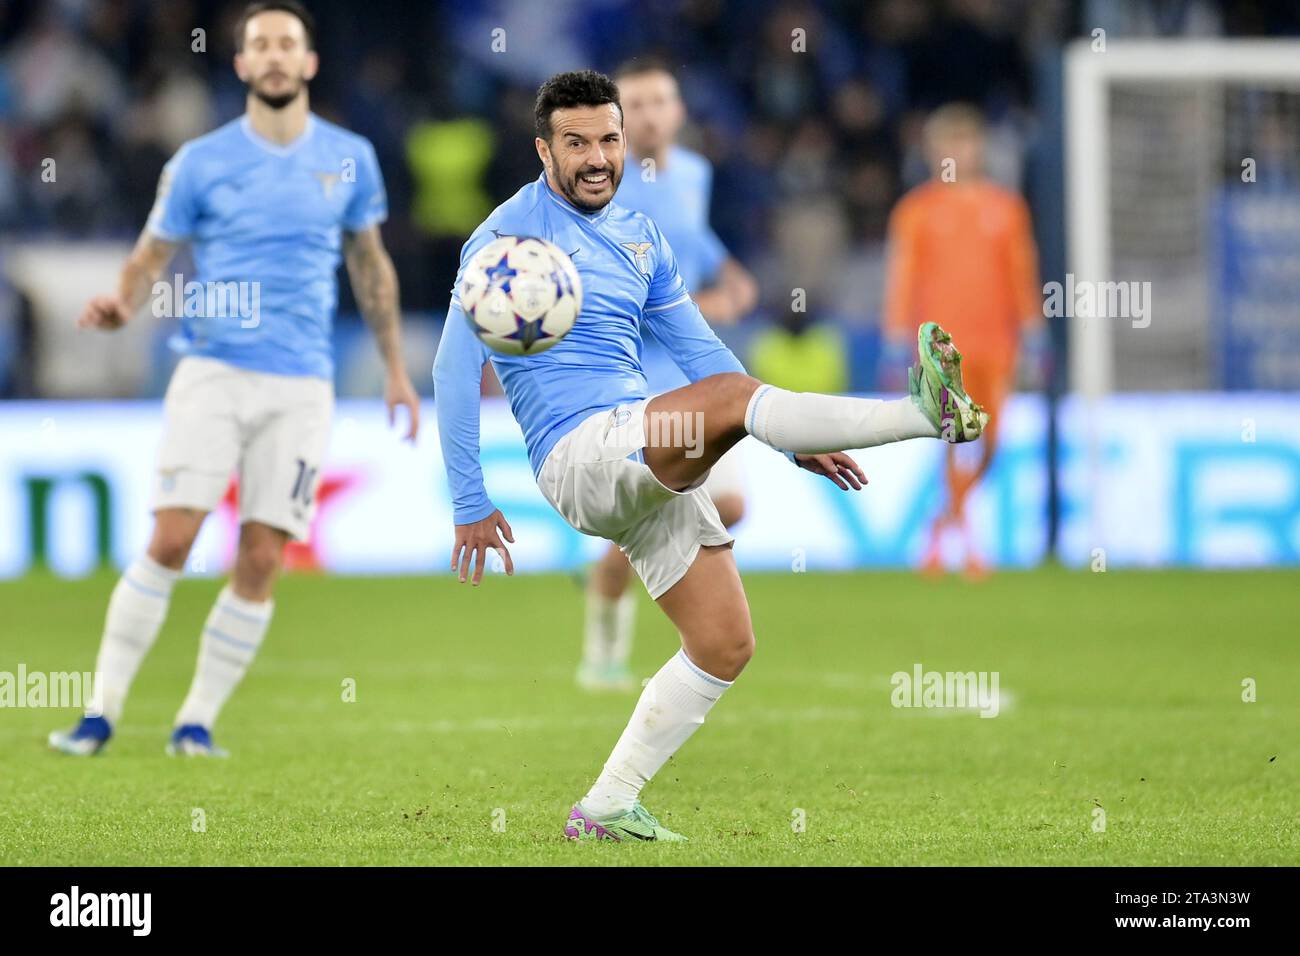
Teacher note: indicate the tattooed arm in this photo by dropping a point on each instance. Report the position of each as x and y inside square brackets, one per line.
[374, 283]
[142, 269]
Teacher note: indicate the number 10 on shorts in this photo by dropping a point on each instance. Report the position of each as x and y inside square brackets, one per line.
[303, 484]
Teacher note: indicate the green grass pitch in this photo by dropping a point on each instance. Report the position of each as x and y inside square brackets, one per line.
[468, 741]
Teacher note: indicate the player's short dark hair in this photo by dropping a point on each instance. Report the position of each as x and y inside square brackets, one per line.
[641, 65]
[285, 6]
[566, 90]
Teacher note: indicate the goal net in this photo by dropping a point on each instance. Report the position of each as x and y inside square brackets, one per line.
[1183, 165]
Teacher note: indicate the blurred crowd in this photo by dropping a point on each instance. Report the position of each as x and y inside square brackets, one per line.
[809, 109]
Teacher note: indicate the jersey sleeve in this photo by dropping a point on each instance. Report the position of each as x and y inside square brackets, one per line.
[673, 318]
[175, 212]
[457, 382]
[369, 203]
[666, 285]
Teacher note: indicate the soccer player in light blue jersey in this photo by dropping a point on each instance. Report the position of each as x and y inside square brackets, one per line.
[672, 186]
[268, 203]
[619, 463]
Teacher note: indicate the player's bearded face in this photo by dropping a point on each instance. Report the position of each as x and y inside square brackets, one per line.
[591, 186]
[587, 155]
[277, 88]
[276, 61]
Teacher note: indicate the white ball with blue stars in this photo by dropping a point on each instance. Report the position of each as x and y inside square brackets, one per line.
[521, 294]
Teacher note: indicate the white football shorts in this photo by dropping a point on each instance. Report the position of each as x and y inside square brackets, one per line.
[595, 477]
[271, 429]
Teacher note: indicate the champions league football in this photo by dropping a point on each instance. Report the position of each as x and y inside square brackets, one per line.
[521, 295]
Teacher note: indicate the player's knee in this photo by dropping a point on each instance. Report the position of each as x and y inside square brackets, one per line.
[730, 394]
[736, 387]
[731, 651]
[258, 563]
[740, 651]
[170, 546]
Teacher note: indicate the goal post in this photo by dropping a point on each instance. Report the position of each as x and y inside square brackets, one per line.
[1154, 132]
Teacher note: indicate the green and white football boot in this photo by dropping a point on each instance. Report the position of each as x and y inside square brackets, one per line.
[935, 384]
[635, 824]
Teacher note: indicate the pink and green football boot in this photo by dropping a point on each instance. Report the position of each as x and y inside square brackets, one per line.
[635, 824]
[936, 387]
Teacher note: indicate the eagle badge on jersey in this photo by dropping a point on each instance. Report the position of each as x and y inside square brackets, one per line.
[639, 250]
[327, 181]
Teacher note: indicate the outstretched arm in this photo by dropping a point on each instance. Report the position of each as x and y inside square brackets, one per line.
[457, 378]
[374, 283]
[172, 221]
[142, 269]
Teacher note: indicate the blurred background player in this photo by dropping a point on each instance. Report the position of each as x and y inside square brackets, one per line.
[673, 186]
[267, 201]
[961, 252]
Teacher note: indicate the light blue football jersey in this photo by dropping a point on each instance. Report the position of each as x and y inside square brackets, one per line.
[271, 217]
[630, 285]
[677, 198]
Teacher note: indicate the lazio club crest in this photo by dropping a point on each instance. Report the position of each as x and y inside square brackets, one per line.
[639, 250]
[327, 182]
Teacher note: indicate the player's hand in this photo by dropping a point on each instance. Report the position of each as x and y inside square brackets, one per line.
[106, 312]
[836, 466]
[473, 541]
[398, 390]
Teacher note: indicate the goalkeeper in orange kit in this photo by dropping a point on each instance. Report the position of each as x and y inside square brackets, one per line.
[961, 253]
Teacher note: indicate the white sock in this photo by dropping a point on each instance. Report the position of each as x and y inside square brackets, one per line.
[231, 637]
[620, 645]
[136, 612]
[672, 707]
[607, 640]
[809, 423]
[598, 634]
